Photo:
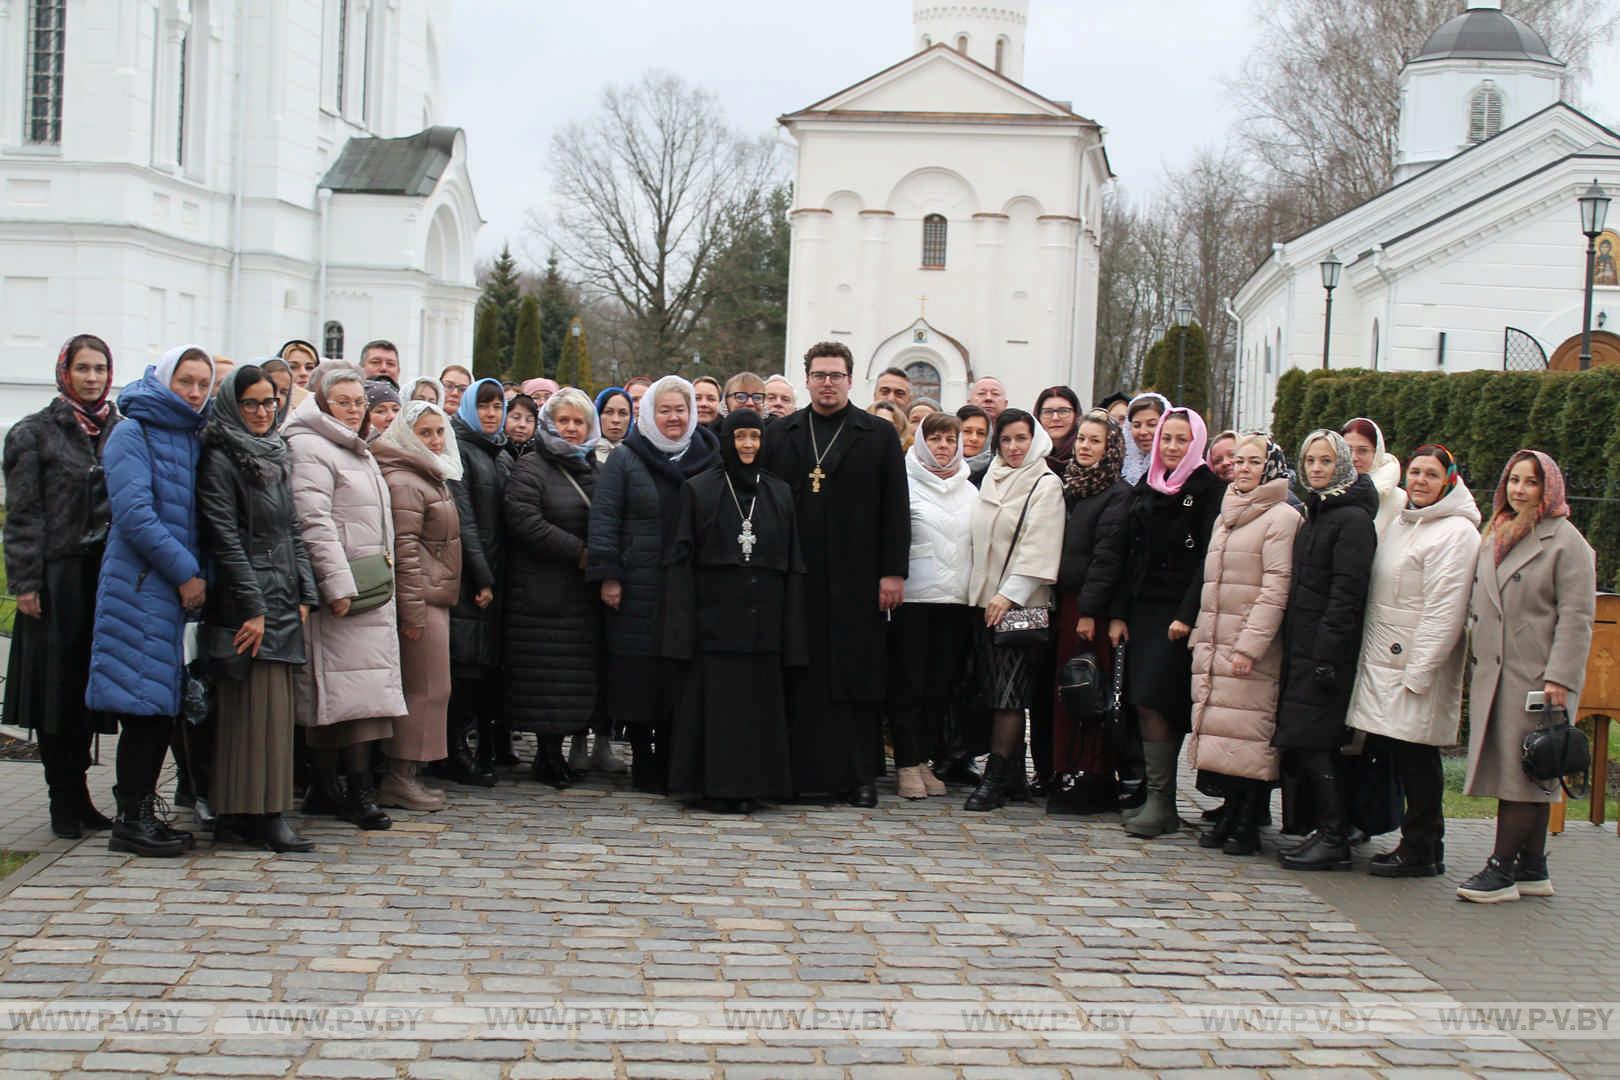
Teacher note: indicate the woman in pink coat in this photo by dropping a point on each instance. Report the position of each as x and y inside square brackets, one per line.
[349, 692]
[1237, 657]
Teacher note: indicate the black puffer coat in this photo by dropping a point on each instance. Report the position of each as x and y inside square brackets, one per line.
[256, 557]
[475, 632]
[637, 505]
[1166, 539]
[553, 616]
[1094, 549]
[1321, 633]
[56, 494]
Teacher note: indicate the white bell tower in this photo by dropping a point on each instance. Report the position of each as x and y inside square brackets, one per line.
[1479, 73]
[991, 33]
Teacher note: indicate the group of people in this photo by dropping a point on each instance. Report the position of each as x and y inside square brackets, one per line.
[300, 573]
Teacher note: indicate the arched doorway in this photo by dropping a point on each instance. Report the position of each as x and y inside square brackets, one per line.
[925, 382]
[1605, 351]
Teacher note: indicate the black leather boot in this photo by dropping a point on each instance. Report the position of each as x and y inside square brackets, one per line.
[361, 809]
[89, 816]
[549, 766]
[1327, 848]
[278, 836]
[991, 794]
[1243, 810]
[137, 829]
[325, 796]
[1220, 832]
[65, 815]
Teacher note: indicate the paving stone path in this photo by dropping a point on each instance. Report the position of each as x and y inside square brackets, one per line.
[599, 933]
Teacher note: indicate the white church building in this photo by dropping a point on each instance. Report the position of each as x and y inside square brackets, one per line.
[946, 217]
[1475, 258]
[229, 173]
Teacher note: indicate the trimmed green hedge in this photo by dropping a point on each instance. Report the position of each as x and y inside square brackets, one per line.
[1482, 417]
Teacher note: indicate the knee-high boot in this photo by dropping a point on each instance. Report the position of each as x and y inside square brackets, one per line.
[1327, 848]
[1158, 814]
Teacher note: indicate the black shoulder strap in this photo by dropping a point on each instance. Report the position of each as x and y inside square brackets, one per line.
[1019, 528]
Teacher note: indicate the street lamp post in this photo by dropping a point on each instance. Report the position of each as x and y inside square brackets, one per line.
[1183, 320]
[1331, 269]
[1594, 202]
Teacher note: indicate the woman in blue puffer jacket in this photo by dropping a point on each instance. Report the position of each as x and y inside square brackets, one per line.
[151, 577]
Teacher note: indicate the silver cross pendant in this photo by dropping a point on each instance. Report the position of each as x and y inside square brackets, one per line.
[746, 539]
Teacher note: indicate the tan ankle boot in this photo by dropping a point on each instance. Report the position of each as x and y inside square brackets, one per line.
[909, 784]
[400, 788]
[931, 783]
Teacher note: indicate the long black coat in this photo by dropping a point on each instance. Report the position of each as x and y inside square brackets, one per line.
[1166, 540]
[257, 562]
[57, 516]
[1321, 633]
[633, 516]
[855, 531]
[1094, 549]
[553, 616]
[475, 632]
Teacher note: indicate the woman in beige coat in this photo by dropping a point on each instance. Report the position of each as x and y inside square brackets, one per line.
[349, 692]
[1535, 594]
[1017, 532]
[1236, 655]
[418, 457]
[1409, 681]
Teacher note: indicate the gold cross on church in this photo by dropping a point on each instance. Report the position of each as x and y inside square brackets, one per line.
[923, 303]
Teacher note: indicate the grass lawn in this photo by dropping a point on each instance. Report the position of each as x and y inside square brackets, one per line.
[11, 860]
[1459, 805]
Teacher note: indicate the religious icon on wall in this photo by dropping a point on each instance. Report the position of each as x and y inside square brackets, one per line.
[1607, 272]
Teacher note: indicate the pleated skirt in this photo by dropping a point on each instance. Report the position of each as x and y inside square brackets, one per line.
[253, 745]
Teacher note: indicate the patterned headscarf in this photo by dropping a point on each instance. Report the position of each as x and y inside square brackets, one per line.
[1172, 484]
[568, 398]
[1083, 481]
[1344, 466]
[1276, 467]
[1508, 528]
[1447, 462]
[91, 415]
[402, 435]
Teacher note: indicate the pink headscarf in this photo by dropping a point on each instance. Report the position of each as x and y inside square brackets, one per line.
[1508, 528]
[1171, 485]
[534, 386]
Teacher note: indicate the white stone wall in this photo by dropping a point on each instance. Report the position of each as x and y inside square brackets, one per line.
[108, 233]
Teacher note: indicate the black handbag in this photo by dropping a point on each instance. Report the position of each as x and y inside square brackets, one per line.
[1022, 627]
[1081, 688]
[1555, 752]
[1087, 785]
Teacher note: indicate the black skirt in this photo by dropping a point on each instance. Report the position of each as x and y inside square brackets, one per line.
[1008, 674]
[730, 735]
[49, 667]
[928, 650]
[1158, 671]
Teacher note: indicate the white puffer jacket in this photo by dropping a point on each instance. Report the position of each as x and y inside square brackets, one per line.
[941, 537]
[1409, 684]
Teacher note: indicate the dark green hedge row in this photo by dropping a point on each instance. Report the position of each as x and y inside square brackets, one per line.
[1482, 417]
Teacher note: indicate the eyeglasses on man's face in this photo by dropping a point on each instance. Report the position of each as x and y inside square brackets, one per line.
[742, 397]
[828, 376]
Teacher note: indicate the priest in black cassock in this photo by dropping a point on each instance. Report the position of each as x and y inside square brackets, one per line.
[848, 478]
[734, 621]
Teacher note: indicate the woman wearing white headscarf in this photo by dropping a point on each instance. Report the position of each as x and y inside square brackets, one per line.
[419, 460]
[425, 388]
[553, 625]
[633, 517]
[1367, 453]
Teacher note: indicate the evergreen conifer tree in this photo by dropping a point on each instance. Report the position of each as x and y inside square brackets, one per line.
[503, 290]
[556, 311]
[526, 347]
[487, 342]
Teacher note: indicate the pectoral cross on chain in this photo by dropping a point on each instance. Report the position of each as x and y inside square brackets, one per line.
[745, 539]
[816, 477]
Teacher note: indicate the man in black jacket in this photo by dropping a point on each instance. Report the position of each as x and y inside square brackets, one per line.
[853, 508]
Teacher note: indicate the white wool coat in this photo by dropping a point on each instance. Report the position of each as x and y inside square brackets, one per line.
[1410, 677]
[941, 544]
[1039, 551]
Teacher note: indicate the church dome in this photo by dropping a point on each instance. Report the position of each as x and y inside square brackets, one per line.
[1484, 33]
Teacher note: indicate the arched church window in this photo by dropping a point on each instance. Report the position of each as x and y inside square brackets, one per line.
[1001, 54]
[961, 44]
[933, 252]
[332, 341]
[924, 378]
[1484, 114]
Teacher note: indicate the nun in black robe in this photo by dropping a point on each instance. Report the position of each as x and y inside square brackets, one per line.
[734, 621]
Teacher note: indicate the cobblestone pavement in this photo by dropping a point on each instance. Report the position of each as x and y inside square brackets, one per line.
[1484, 953]
[649, 941]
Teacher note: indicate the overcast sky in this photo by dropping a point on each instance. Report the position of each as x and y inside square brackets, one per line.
[1150, 71]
